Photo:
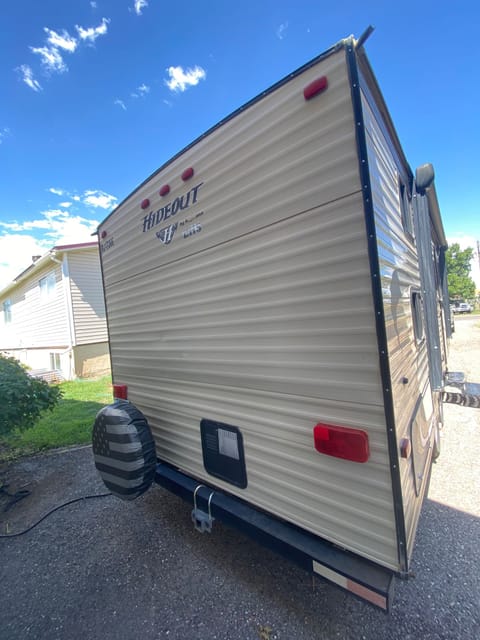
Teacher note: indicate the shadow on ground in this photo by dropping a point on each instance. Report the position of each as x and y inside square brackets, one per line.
[109, 569]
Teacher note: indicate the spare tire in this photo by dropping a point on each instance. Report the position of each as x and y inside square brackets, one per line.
[124, 449]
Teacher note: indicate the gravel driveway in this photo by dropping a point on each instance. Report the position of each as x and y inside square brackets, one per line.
[110, 570]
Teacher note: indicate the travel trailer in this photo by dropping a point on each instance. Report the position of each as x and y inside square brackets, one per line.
[278, 319]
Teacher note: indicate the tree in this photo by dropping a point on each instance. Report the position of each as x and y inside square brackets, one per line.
[460, 284]
[24, 398]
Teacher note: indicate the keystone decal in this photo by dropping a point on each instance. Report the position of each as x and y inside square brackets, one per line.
[166, 235]
[169, 210]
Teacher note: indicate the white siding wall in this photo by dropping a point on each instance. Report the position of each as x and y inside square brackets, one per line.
[264, 319]
[88, 305]
[36, 322]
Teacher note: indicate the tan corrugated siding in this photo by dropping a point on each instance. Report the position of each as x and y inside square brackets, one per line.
[88, 304]
[264, 319]
[399, 274]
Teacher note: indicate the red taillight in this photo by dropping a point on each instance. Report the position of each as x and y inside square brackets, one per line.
[164, 190]
[145, 203]
[341, 442]
[120, 391]
[314, 88]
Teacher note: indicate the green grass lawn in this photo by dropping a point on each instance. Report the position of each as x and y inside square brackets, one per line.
[69, 423]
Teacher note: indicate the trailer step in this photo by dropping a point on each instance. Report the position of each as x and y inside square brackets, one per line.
[352, 573]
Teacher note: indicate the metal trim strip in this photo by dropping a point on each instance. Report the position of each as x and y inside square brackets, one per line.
[352, 65]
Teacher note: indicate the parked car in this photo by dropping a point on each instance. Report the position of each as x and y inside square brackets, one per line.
[462, 307]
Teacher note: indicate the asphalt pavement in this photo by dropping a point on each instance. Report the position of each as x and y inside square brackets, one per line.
[107, 569]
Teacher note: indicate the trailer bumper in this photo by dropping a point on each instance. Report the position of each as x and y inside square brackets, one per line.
[357, 575]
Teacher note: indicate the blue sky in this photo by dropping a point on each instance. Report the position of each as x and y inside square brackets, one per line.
[97, 95]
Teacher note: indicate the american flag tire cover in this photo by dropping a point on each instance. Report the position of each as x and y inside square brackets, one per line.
[124, 449]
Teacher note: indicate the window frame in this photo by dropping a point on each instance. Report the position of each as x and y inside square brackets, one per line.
[418, 317]
[48, 286]
[54, 361]
[7, 311]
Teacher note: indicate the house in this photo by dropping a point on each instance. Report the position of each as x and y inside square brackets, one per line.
[52, 316]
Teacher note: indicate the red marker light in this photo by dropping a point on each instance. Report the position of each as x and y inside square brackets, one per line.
[164, 190]
[341, 442]
[104, 234]
[145, 203]
[187, 174]
[314, 88]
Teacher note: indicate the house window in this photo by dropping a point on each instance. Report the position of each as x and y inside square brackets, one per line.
[417, 314]
[55, 361]
[47, 286]
[406, 209]
[7, 311]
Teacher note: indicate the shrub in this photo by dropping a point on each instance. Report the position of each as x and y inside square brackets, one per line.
[22, 398]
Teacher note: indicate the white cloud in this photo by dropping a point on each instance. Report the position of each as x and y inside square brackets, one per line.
[140, 91]
[68, 229]
[27, 77]
[180, 79]
[4, 133]
[53, 228]
[56, 43]
[51, 58]
[120, 103]
[63, 41]
[92, 33]
[16, 253]
[281, 30]
[50, 55]
[93, 5]
[91, 197]
[50, 214]
[138, 5]
[25, 226]
[99, 199]
[19, 241]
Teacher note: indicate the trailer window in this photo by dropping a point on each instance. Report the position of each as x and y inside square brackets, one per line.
[417, 315]
[406, 209]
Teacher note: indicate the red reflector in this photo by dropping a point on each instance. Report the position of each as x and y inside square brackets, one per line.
[187, 174]
[145, 203]
[104, 234]
[315, 87]
[164, 190]
[120, 391]
[341, 442]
